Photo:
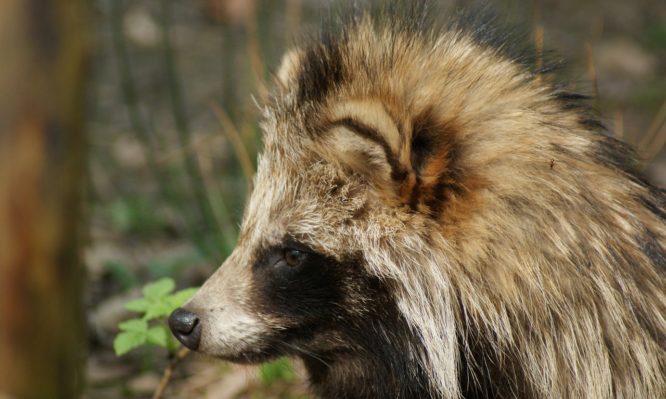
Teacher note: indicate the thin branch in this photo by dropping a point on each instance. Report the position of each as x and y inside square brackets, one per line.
[293, 14]
[592, 72]
[538, 44]
[182, 127]
[618, 124]
[168, 372]
[254, 53]
[653, 141]
[538, 37]
[236, 142]
[140, 125]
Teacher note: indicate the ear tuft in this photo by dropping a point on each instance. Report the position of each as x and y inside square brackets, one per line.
[289, 67]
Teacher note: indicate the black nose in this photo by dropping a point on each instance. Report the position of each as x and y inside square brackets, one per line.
[186, 327]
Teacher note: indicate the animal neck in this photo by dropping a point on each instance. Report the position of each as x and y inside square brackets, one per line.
[367, 376]
[383, 363]
[486, 373]
[387, 368]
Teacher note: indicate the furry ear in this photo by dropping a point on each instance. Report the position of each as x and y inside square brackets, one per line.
[290, 65]
[435, 158]
[362, 135]
[359, 154]
[414, 159]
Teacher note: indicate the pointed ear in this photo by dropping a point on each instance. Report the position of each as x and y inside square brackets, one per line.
[364, 138]
[417, 162]
[290, 65]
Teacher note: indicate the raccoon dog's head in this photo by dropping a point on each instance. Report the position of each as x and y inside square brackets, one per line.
[335, 187]
[378, 144]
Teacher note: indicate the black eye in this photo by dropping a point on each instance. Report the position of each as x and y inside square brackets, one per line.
[293, 257]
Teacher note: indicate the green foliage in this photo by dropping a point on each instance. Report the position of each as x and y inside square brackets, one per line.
[650, 94]
[173, 265]
[157, 303]
[278, 370]
[133, 215]
[121, 274]
[654, 37]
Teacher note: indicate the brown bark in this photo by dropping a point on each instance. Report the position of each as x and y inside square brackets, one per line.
[43, 46]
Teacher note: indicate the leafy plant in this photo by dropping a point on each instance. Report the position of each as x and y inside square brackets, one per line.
[157, 303]
[133, 214]
[121, 274]
[278, 370]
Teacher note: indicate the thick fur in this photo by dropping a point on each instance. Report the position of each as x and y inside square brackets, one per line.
[479, 234]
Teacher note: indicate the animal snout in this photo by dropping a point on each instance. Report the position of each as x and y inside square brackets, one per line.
[186, 327]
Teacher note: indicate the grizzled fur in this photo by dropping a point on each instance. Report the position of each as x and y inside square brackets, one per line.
[462, 228]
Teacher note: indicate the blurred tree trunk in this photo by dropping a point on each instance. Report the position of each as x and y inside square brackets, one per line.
[43, 48]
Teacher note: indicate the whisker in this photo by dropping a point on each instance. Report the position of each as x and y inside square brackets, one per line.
[301, 350]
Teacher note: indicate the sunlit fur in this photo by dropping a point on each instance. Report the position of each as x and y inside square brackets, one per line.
[518, 241]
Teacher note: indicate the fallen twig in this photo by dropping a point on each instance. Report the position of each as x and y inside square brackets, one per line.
[168, 372]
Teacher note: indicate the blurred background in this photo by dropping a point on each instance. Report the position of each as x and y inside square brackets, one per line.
[171, 137]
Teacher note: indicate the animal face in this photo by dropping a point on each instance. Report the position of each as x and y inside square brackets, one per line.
[336, 183]
[295, 274]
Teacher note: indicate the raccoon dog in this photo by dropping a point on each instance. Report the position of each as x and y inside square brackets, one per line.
[433, 218]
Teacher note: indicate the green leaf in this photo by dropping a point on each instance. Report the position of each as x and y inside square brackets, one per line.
[172, 265]
[138, 305]
[158, 309]
[134, 325]
[134, 214]
[179, 298]
[128, 340]
[159, 288]
[121, 273]
[121, 215]
[157, 335]
[280, 369]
